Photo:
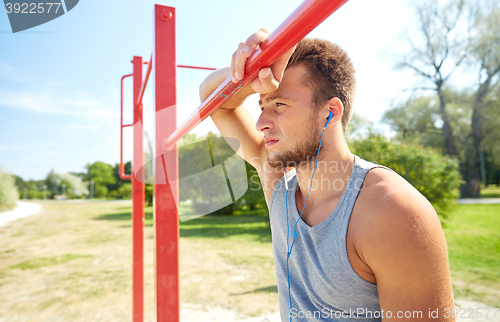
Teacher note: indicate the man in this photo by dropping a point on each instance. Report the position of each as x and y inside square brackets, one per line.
[352, 240]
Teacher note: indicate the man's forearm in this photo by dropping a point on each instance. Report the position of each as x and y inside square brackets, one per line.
[213, 81]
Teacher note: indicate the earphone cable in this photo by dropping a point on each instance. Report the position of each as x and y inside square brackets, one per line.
[289, 249]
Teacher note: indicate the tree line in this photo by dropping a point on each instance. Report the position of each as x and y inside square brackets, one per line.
[100, 180]
[454, 107]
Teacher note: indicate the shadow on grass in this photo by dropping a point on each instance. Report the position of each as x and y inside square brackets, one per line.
[255, 227]
[126, 216]
[268, 289]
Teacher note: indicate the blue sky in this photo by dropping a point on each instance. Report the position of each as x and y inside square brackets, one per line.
[59, 82]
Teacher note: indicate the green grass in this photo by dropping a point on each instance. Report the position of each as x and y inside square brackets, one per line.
[47, 261]
[248, 227]
[491, 192]
[473, 238]
[224, 260]
[472, 234]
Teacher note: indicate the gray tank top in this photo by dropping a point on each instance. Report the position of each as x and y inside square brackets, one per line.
[324, 286]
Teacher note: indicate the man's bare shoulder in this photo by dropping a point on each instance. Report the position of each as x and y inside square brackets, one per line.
[387, 194]
[390, 211]
[391, 207]
[399, 237]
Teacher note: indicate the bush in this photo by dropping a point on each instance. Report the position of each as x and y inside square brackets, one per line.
[125, 191]
[8, 191]
[100, 191]
[148, 192]
[437, 177]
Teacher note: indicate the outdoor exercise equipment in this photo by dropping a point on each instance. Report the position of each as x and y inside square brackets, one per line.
[165, 169]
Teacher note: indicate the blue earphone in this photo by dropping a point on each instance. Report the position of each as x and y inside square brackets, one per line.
[289, 248]
[328, 120]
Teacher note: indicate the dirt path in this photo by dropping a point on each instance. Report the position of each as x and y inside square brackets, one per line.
[23, 209]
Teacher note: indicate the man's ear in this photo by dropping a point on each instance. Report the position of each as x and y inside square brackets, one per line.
[337, 108]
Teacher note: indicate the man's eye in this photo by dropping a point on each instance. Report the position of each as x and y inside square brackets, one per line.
[280, 104]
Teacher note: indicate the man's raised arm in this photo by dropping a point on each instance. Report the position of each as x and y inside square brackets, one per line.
[231, 118]
[234, 121]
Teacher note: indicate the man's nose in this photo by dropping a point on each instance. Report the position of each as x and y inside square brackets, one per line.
[264, 123]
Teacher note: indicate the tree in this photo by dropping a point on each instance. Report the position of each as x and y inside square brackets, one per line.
[8, 191]
[440, 49]
[485, 54]
[451, 34]
[75, 187]
[358, 127]
[418, 121]
[116, 174]
[491, 141]
[102, 175]
[206, 190]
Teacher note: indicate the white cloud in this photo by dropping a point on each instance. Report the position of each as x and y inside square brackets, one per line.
[9, 73]
[49, 101]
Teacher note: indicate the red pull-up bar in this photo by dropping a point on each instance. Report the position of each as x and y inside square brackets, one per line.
[302, 21]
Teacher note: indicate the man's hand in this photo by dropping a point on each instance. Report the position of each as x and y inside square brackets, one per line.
[270, 77]
[267, 81]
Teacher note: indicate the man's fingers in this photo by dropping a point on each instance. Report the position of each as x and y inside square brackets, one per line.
[246, 49]
[233, 59]
[239, 68]
[278, 67]
[267, 80]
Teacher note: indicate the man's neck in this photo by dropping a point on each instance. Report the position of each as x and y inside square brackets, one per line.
[331, 176]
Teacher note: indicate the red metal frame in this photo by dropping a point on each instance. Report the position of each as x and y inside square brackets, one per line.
[121, 171]
[138, 191]
[196, 67]
[166, 188]
[302, 21]
[145, 83]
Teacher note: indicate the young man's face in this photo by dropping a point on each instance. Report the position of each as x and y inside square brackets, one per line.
[289, 121]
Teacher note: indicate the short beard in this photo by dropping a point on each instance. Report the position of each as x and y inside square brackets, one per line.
[304, 155]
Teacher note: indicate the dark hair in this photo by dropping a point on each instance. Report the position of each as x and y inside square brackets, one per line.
[331, 73]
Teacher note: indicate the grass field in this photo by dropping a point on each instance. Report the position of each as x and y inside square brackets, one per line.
[490, 192]
[473, 237]
[72, 262]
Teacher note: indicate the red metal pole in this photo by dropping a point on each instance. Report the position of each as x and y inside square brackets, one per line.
[121, 171]
[145, 83]
[196, 67]
[302, 21]
[166, 187]
[138, 199]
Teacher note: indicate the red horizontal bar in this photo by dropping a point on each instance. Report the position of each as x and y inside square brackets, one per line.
[125, 125]
[196, 67]
[145, 83]
[302, 21]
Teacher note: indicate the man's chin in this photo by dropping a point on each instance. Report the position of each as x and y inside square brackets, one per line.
[274, 161]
